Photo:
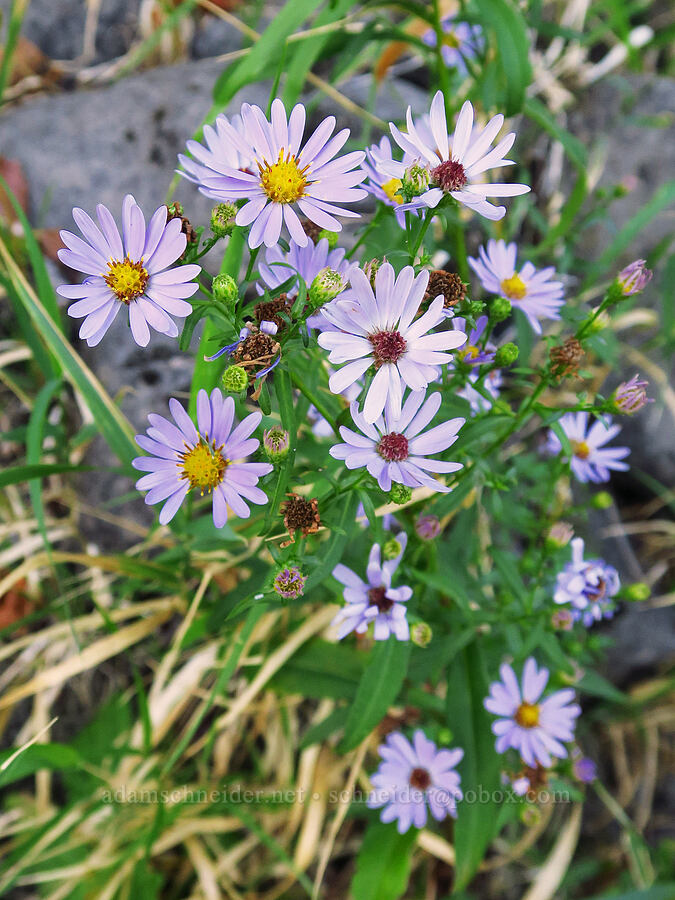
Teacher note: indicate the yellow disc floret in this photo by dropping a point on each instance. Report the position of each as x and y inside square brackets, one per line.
[468, 352]
[390, 187]
[527, 715]
[514, 287]
[203, 466]
[581, 449]
[126, 279]
[284, 181]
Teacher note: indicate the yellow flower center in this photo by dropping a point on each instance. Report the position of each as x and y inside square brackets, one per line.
[514, 287]
[450, 40]
[469, 352]
[126, 279]
[527, 715]
[283, 181]
[390, 187]
[581, 449]
[203, 466]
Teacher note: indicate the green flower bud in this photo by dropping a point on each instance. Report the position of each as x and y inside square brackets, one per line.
[559, 536]
[602, 500]
[444, 736]
[331, 237]
[371, 267]
[276, 443]
[325, 287]
[474, 308]
[530, 815]
[421, 634]
[400, 493]
[222, 219]
[391, 549]
[415, 182]
[235, 380]
[500, 309]
[506, 355]
[225, 289]
[637, 592]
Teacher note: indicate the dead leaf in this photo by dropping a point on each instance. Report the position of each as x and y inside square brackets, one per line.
[12, 171]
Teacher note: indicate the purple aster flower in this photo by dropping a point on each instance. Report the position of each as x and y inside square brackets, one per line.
[460, 42]
[529, 290]
[630, 396]
[585, 769]
[134, 273]
[588, 586]
[532, 726]
[382, 185]
[491, 383]
[217, 158]
[382, 331]
[472, 354]
[289, 583]
[591, 460]
[281, 174]
[393, 449]
[184, 457]
[306, 261]
[634, 278]
[456, 166]
[412, 777]
[375, 600]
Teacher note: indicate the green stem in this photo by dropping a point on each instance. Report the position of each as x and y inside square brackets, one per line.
[428, 216]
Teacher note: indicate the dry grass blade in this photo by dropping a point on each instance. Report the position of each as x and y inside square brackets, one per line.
[553, 871]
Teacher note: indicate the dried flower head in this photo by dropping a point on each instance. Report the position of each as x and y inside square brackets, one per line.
[268, 311]
[447, 284]
[175, 211]
[566, 358]
[300, 514]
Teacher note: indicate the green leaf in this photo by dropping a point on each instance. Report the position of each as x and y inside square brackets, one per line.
[38, 756]
[575, 150]
[265, 53]
[383, 864]
[323, 729]
[470, 726]
[34, 438]
[505, 22]
[17, 474]
[377, 691]
[112, 424]
[320, 669]
[595, 684]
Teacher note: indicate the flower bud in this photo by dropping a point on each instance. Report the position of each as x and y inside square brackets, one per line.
[474, 308]
[637, 592]
[391, 549]
[530, 815]
[235, 380]
[325, 287]
[562, 620]
[421, 634]
[427, 527]
[289, 583]
[559, 535]
[506, 355]
[630, 396]
[400, 493]
[585, 769]
[276, 443]
[371, 267]
[500, 309]
[415, 182]
[222, 219]
[331, 237]
[602, 500]
[634, 278]
[225, 289]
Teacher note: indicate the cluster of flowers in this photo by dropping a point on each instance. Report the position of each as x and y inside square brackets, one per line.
[388, 337]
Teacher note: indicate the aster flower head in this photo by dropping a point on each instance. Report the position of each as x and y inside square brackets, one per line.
[630, 396]
[456, 164]
[415, 778]
[585, 769]
[634, 278]
[460, 42]
[591, 459]
[306, 261]
[427, 527]
[535, 728]
[529, 290]
[132, 271]
[379, 329]
[281, 174]
[472, 353]
[206, 165]
[588, 586]
[210, 457]
[374, 600]
[491, 386]
[381, 184]
[289, 583]
[395, 449]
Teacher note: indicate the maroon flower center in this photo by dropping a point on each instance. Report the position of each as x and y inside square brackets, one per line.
[599, 592]
[393, 447]
[449, 176]
[420, 779]
[378, 598]
[388, 346]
